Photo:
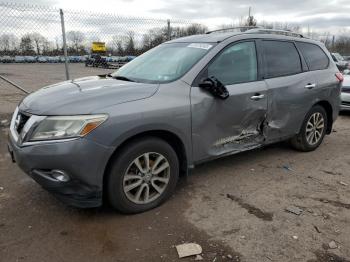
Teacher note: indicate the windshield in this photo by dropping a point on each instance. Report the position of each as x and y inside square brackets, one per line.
[164, 63]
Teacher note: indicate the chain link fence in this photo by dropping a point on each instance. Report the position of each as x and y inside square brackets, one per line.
[36, 34]
[43, 45]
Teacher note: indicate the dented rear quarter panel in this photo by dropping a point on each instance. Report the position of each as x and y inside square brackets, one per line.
[289, 101]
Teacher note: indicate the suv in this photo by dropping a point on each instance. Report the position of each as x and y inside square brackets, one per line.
[127, 136]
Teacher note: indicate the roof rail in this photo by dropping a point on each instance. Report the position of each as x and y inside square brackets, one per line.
[274, 31]
[238, 28]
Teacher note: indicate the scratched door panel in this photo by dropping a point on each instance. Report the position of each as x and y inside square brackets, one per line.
[228, 126]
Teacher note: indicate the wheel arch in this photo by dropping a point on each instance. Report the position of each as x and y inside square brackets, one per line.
[170, 137]
[329, 110]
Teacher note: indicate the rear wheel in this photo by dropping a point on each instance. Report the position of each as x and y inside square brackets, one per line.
[312, 131]
[143, 175]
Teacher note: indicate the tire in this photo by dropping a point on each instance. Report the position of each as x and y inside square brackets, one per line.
[300, 141]
[124, 167]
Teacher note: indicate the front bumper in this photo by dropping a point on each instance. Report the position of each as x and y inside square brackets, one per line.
[345, 101]
[82, 159]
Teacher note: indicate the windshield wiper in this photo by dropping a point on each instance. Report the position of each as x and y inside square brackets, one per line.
[124, 78]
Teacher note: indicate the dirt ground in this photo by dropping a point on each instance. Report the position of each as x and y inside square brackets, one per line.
[235, 207]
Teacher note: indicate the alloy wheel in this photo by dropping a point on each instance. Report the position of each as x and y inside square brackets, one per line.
[315, 128]
[146, 178]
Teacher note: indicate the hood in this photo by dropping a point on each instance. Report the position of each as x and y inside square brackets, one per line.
[84, 96]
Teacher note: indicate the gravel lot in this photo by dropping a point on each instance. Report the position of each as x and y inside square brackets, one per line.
[235, 207]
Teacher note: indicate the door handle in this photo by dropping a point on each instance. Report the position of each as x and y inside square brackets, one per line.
[257, 97]
[310, 86]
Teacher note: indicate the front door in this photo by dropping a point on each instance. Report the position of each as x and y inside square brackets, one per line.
[235, 124]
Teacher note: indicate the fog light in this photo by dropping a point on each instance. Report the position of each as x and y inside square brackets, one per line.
[60, 175]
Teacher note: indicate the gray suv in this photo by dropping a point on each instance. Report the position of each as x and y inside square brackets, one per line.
[126, 137]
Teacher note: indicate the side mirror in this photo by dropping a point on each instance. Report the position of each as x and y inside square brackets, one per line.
[215, 87]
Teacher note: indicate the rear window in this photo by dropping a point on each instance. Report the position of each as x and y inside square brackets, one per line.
[281, 59]
[315, 58]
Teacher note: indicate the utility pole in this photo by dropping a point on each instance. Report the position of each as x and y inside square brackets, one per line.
[168, 30]
[64, 44]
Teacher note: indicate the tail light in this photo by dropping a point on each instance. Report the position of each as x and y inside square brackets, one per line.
[339, 76]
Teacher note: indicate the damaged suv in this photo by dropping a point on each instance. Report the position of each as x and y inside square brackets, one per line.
[126, 137]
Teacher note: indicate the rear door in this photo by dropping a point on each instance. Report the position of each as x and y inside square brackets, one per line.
[235, 124]
[323, 70]
[290, 88]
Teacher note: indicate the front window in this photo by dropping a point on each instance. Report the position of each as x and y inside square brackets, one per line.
[236, 64]
[164, 63]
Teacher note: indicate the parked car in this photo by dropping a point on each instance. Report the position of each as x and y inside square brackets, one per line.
[82, 59]
[341, 63]
[345, 94]
[29, 59]
[127, 136]
[74, 59]
[55, 59]
[7, 59]
[346, 58]
[52, 59]
[96, 60]
[19, 59]
[62, 59]
[42, 59]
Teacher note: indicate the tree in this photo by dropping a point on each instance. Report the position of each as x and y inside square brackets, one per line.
[130, 43]
[26, 45]
[76, 40]
[8, 42]
[117, 45]
[251, 21]
[38, 41]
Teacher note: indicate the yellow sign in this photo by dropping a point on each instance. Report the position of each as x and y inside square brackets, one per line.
[98, 47]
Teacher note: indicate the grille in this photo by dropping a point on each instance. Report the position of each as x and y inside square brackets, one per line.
[344, 103]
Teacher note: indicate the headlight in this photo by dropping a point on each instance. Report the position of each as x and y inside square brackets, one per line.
[59, 127]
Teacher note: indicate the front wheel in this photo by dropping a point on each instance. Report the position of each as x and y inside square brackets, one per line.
[312, 131]
[143, 175]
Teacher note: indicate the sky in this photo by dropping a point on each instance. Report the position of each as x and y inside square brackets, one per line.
[323, 15]
[101, 21]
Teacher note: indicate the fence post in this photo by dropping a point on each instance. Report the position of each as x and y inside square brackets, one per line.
[64, 44]
[169, 30]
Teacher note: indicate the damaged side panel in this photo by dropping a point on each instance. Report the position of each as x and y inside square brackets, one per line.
[289, 102]
[221, 127]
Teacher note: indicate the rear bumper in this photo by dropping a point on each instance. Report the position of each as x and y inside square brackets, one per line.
[83, 160]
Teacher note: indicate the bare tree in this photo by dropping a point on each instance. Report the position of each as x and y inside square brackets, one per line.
[26, 45]
[8, 42]
[38, 41]
[130, 43]
[117, 44]
[251, 21]
[76, 40]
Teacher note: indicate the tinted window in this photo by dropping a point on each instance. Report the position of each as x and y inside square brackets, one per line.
[315, 58]
[281, 58]
[236, 64]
